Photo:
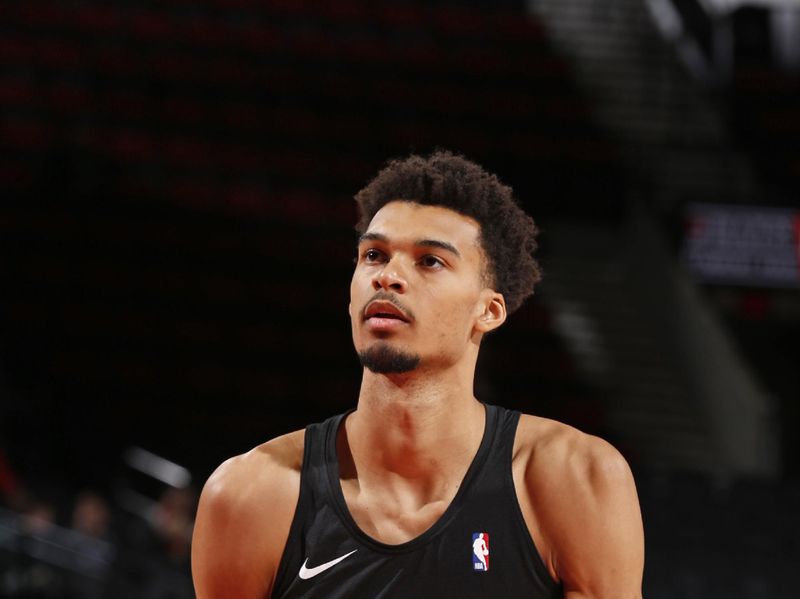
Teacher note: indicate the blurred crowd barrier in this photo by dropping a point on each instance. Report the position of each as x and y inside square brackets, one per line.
[100, 552]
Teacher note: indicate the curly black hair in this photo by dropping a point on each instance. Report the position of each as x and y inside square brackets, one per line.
[508, 235]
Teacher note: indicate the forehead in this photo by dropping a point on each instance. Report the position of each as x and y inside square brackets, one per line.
[405, 221]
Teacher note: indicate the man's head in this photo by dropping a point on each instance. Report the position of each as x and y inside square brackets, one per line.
[507, 234]
[445, 253]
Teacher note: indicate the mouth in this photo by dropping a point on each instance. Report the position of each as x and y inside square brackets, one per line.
[385, 311]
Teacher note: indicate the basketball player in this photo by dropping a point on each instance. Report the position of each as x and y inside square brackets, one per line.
[422, 490]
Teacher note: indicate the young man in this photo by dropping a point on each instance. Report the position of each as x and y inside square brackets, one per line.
[422, 490]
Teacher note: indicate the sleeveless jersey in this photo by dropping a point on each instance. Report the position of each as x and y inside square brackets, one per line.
[479, 547]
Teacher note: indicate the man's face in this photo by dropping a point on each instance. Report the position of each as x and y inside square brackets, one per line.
[417, 291]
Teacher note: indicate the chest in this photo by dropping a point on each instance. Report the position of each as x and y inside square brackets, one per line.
[480, 549]
[392, 520]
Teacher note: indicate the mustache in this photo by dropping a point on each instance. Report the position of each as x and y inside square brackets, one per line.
[385, 296]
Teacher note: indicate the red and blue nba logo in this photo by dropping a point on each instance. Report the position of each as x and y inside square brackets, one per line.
[480, 551]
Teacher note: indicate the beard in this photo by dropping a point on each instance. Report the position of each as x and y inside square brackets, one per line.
[382, 358]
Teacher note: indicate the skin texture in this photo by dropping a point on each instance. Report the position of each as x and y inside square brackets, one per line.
[405, 450]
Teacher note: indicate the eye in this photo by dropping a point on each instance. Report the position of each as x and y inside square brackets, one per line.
[431, 261]
[372, 255]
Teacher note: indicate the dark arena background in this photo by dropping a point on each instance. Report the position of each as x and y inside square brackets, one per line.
[177, 240]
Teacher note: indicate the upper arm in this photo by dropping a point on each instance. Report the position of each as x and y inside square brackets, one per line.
[591, 520]
[243, 520]
[604, 556]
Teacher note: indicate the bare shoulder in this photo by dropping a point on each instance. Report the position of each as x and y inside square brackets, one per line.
[556, 453]
[256, 471]
[243, 520]
[582, 503]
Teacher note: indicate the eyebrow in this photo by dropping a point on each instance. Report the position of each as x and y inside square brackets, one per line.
[434, 243]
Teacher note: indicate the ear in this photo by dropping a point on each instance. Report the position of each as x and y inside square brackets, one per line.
[493, 312]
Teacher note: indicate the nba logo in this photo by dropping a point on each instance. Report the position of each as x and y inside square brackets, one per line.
[480, 551]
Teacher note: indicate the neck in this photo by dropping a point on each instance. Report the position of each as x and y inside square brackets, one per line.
[418, 426]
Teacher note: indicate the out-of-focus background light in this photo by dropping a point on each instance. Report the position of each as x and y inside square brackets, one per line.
[176, 224]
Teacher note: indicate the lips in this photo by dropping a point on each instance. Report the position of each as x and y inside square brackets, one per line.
[383, 309]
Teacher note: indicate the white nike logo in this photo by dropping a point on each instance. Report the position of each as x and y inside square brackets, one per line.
[306, 573]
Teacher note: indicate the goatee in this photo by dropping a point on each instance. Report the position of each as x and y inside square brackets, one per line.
[382, 358]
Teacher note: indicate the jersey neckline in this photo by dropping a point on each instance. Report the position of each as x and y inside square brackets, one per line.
[336, 493]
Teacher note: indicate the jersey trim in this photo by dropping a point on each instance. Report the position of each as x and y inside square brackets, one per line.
[297, 524]
[536, 556]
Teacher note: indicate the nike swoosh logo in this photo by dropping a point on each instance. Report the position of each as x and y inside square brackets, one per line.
[306, 573]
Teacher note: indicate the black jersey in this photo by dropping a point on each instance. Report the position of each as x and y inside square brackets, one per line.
[479, 547]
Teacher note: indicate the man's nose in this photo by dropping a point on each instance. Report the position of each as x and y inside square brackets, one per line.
[390, 278]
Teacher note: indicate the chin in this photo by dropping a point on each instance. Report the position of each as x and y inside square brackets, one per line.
[386, 358]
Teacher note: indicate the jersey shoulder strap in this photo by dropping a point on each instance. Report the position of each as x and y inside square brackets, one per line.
[313, 502]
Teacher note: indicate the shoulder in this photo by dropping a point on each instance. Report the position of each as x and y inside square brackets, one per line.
[584, 507]
[243, 519]
[557, 453]
[256, 471]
